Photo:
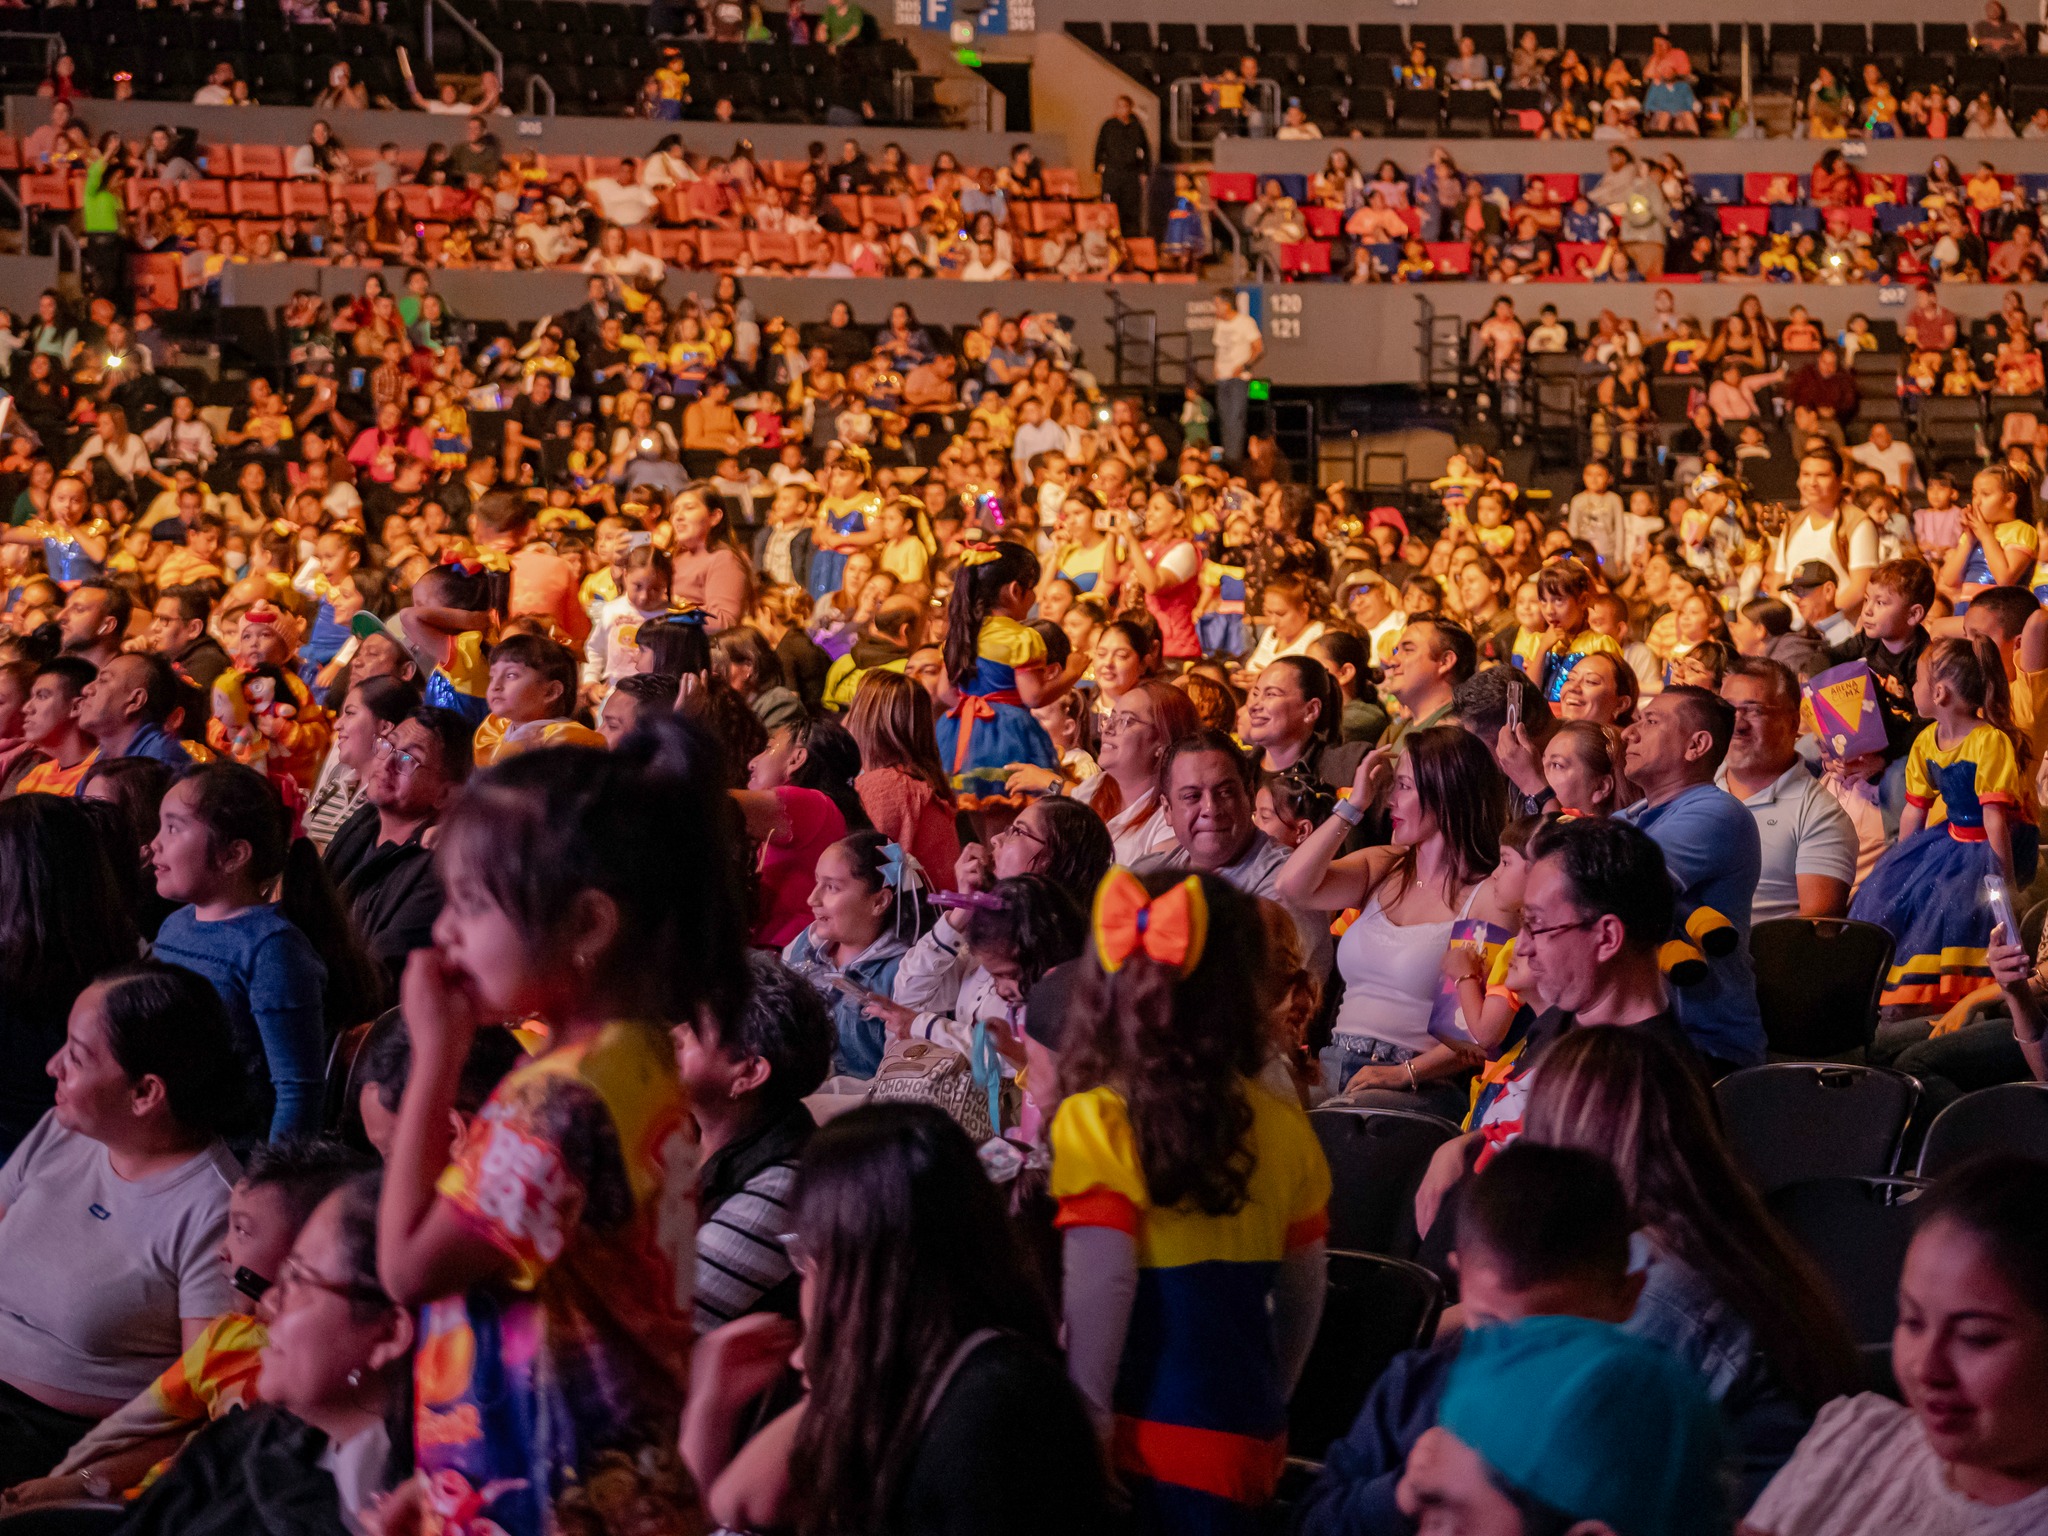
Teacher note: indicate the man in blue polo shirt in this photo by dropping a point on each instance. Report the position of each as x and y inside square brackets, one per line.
[1714, 855]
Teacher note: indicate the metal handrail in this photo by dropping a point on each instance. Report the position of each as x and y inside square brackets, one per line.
[60, 237]
[539, 80]
[21, 209]
[53, 44]
[1180, 116]
[1234, 238]
[469, 27]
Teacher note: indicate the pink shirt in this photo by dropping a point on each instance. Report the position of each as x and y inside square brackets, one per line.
[716, 581]
[789, 869]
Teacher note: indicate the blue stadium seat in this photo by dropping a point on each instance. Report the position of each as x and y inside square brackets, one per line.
[1718, 189]
[1795, 221]
[1507, 183]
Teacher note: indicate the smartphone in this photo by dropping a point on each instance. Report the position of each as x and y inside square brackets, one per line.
[2000, 897]
[1514, 715]
[249, 1283]
[1105, 522]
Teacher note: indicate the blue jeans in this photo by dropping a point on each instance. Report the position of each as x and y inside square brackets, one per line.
[1341, 1062]
[1233, 405]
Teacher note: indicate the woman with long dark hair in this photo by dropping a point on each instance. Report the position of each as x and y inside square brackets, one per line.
[62, 923]
[1727, 1289]
[1429, 887]
[1193, 1199]
[710, 569]
[925, 1345]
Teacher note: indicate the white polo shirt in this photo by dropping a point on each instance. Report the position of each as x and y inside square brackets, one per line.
[1804, 831]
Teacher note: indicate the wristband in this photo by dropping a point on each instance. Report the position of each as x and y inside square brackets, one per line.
[1350, 812]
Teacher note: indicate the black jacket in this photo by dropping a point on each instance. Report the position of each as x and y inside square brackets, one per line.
[391, 891]
[254, 1473]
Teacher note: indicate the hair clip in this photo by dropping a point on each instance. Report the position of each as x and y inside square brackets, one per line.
[1171, 928]
[899, 868]
[461, 566]
[983, 553]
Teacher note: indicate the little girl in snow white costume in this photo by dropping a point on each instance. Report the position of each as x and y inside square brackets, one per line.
[263, 714]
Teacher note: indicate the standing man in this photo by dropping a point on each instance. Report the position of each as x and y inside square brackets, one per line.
[1123, 159]
[1239, 346]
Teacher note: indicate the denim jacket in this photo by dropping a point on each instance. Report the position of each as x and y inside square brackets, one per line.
[861, 1039]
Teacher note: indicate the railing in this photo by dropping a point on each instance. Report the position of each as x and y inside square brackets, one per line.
[21, 210]
[1234, 238]
[1261, 114]
[53, 46]
[469, 29]
[60, 238]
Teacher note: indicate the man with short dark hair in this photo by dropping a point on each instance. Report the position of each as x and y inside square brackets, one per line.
[1675, 746]
[50, 730]
[1432, 657]
[94, 620]
[1123, 159]
[1543, 1232]
[1808, 845]
[1208, 786]
[380, 860]
[128, 706]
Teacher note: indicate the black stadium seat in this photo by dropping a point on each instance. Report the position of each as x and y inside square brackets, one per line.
[1896, 39]
[1089, 34]
[1276, 37]
[2012, 1117]
[1330, 41]
[1375, 1308]
[1179, 37]
[1377, 1158]
[1589, 38]
[1382, 39]
[1792, 1121]
[1229, 37]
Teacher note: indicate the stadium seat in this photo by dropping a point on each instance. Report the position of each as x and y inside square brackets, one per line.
[204, 196]
[1817, 983]
[1324, 223]
[1792, 1121]
[1452, 257]
[258, 199]
[1377, 1158]
[1233, 186]
[265, 161]
[1795, 221]
[1305, 258]
[2011, 1117]
[1755, 220]
[1718, 189]
[1374, 1308]
[1856, 1231]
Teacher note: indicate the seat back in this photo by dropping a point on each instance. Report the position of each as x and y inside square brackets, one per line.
[1817, 983]
[1377, 1158]
[1375, 1307]
[1793, 1121]
[1856, 1231]
[2012, 1117]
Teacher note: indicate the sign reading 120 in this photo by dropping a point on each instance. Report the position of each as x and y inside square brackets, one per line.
[1283, 316]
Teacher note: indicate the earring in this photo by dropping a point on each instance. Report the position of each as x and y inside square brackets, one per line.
[355, 1377]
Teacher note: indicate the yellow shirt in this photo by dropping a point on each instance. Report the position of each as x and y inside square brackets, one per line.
[905, 558]
[498, 738]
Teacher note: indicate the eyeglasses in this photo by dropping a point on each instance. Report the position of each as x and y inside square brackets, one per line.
[292, 1274]
[1018, 829]
[1531, 931]
[407, 762]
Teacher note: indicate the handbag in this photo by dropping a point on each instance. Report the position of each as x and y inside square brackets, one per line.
[920, 1072]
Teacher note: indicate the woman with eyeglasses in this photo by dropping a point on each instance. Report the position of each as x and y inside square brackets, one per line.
[926, 1350]
[1144, 721]
[318, 1451]
[113, 1210]
[368, 712]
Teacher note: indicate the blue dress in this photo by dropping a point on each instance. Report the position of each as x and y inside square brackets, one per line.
[990, 728]
[1928, 891]
[828, 566]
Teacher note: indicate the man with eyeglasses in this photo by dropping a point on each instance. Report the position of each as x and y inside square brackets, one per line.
[380, 860]
[1808, 842]
[1675, 746]
[1597, 907]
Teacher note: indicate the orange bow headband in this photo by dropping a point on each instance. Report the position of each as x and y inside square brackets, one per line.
[1170, 928]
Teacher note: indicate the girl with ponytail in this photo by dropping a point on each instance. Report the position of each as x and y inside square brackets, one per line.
[1192, 1197]
[997, 673]
[262, 922]
[1969, 814]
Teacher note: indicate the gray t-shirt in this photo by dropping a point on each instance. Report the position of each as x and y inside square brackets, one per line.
[96, 1272]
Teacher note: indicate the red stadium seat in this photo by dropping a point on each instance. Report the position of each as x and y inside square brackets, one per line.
[40, 191]
[1233, 186]
[1144, 253]
[1100, 216]
[1452, 256]
[1062, 181]
[10, 152]
[419, 202]
[1575, 256]
[1756, 220]
[766, 247]
[1311, 258]
[1768, 187]
[677, 247]
[265, 162]
[849, 207]
[815, 245]
[359, 197]
[1563, 185]
[888, 213]
[1864, 219]
[720, 247]
[1324, 223]
[258, 199]
[204, 196]
[138, 193]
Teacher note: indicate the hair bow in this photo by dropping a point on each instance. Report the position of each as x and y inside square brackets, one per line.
[348, 530]
[695, 617]
[898, 868]
[1171, 928]
[853, 453]
[983, 553]
[972, 901]
[461, 566]
[283, 529]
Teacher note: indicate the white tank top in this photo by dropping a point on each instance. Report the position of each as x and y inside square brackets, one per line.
[1390, 973]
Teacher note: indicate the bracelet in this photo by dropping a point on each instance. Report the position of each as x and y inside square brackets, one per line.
[1350, 812]
[1413, 1086]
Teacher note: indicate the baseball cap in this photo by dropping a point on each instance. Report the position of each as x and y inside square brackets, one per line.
[1810, 576]
[1592, 1421]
